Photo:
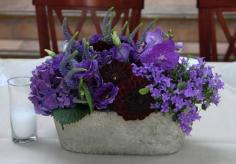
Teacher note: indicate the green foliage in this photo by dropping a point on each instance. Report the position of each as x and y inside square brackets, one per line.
[65, 28]
[50, 53]
[107, 24]
[124, 28]
[84, 91]
[144, 91]
[86, 48]
[115, 39]
[71, 42]
[88, 97]
[208, 92]
[181, 85]
[146, 29]
[134, 32]
[170, 34]
[71, 115]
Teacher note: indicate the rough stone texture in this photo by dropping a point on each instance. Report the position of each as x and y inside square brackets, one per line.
[108, 133]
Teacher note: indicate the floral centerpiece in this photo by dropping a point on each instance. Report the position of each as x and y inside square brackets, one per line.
[112, 77]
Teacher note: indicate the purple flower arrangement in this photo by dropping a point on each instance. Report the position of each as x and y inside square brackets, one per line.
[110, 72]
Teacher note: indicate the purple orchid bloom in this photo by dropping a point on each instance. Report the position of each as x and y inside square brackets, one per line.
[105, 95]
[122, 52]
[163, 55]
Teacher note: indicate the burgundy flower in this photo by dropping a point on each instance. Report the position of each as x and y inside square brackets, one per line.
[116, 72]
[129, 103]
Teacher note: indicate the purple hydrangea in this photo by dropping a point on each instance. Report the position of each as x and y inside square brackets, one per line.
[48, 89]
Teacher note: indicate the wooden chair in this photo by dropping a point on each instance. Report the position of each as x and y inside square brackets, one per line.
[208, 11]
[131, 10]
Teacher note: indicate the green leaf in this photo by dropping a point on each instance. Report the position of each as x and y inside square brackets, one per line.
[107, 24]
[115, 39]
[134, 32]
[147, 28]
[68, 116]
[50, 53]
[144, 91]
[88, 97]
[124, 28]
[85, 47]
[170, 34]
[181, 85]
[65, 28]
[107, 17]
[71, 42]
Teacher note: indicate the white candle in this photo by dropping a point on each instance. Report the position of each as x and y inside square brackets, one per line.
[23, 122]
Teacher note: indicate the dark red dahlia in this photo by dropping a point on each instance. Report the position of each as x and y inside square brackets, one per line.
[116, 72]
[102, 45]
[129, 103]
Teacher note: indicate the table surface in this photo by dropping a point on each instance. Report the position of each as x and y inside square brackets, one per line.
[212, 141]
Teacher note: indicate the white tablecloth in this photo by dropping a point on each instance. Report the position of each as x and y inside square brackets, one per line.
[212, 141]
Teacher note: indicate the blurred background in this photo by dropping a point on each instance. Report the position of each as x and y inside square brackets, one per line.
[18, 27]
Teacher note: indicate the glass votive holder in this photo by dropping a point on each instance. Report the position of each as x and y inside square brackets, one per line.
[22, 114]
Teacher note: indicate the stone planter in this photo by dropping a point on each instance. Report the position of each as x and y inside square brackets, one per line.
[108, 133]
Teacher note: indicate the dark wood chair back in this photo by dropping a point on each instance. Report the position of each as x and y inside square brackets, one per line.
[45, 9]
[209, 10]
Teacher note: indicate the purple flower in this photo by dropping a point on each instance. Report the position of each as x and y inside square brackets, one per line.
[154, 37]
[105, 95]
[163, 55]
[122, 52]
[48, 90]
[186, 119]
[177, 91]
[86, 70]
[95, 38]
[94, 83]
